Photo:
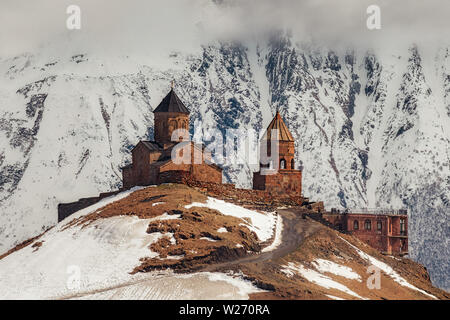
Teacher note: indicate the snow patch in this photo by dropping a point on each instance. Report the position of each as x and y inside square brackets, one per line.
[245, 287]
[208, 239]
[157, 203]
[278, 235]
[387, 270]
[261, 224]
[177, 257]
[323, 265]
[334, 297]
[315, 277]
[166, 216]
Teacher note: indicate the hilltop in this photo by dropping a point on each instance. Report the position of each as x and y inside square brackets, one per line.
[177, 242]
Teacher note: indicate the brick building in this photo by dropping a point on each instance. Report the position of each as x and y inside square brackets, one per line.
[171, 157]
[280, 175]
[385, 230]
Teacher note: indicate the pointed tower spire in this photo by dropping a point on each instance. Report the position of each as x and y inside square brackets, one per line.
[283, 132]
[171, 114]
[171, 103]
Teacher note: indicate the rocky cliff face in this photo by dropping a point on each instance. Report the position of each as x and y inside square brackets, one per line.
[371, 129]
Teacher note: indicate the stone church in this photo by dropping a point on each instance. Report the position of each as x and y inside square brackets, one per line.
[153, 161]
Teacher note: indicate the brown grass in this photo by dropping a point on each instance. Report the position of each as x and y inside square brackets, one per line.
[193, 225]
[25, 244]
[327, 245]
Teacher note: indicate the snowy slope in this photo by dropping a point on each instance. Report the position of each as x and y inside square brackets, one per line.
[71, 261]
[371, 129]
[96, 259]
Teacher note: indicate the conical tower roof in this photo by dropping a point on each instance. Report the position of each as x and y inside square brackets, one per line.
[171, 103]
[283, 132]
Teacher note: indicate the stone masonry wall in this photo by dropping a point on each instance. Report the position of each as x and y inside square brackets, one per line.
[66, 209]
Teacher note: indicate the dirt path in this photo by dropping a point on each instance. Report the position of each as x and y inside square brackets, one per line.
[295, 229]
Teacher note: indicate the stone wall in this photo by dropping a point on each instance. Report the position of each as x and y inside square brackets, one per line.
[66, 209]
[250, 197]
[281, 182]
[139, 172]
[173, 176]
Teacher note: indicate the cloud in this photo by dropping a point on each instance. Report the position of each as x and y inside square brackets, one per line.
[159, 25]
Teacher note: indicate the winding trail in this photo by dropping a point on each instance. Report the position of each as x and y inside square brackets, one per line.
[295, 229]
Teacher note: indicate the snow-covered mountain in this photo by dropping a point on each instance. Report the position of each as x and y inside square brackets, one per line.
[371, 129]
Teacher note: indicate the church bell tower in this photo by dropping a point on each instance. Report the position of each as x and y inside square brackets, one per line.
[170, 115]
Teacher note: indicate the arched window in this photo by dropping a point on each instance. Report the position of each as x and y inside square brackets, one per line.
[355, 225]
[367, 225]
[292, 164]
[282, 164]
[379, 225]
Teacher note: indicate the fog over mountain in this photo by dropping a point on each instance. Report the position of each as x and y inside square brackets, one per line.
[369, 109]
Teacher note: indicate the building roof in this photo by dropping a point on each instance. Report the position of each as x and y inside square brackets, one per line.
[171, 103]
[283, 132]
